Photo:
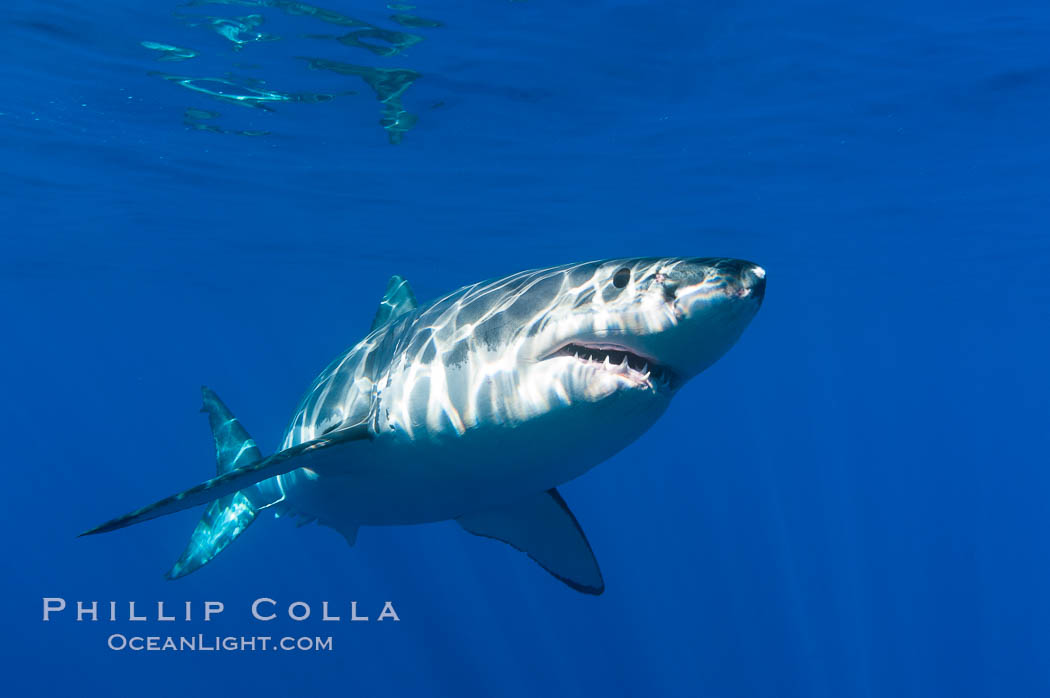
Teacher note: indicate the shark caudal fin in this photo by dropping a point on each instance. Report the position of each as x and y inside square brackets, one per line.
[227, 517]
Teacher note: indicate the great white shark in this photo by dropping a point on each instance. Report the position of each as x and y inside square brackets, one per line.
[477, 406]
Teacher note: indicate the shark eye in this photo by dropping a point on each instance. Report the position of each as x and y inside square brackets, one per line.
[621, 277]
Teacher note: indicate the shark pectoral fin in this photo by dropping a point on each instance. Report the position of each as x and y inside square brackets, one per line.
[544, 528]
[397, 301]
[303, 455]
[347, 530]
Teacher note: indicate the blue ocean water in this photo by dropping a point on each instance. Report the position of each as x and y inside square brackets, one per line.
[852, 502]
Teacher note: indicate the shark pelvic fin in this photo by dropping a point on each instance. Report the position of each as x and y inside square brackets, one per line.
[227, 517]
[397, 301]
[304, 455]
[543, 527]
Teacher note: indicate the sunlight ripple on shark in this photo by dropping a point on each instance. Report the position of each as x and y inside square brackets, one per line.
[478, 405]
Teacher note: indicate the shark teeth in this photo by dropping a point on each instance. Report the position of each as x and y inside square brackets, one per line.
[620, 362]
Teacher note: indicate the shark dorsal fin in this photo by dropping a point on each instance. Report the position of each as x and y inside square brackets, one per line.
[397, 301]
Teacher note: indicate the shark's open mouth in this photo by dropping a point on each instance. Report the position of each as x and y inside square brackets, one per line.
[620, 360]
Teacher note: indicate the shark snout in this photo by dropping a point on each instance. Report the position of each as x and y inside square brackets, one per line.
[741, 279]
[714, 299]
[695, 284]
[751, 282]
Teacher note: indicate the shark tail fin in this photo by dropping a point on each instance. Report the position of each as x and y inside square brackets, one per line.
[226, 517]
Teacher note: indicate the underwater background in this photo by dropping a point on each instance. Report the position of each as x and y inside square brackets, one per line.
[852, 502]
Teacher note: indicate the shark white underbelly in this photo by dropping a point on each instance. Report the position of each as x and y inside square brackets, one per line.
[477, 406]
[419, 482]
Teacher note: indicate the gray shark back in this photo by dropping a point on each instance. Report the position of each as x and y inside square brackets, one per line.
[446, 332]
